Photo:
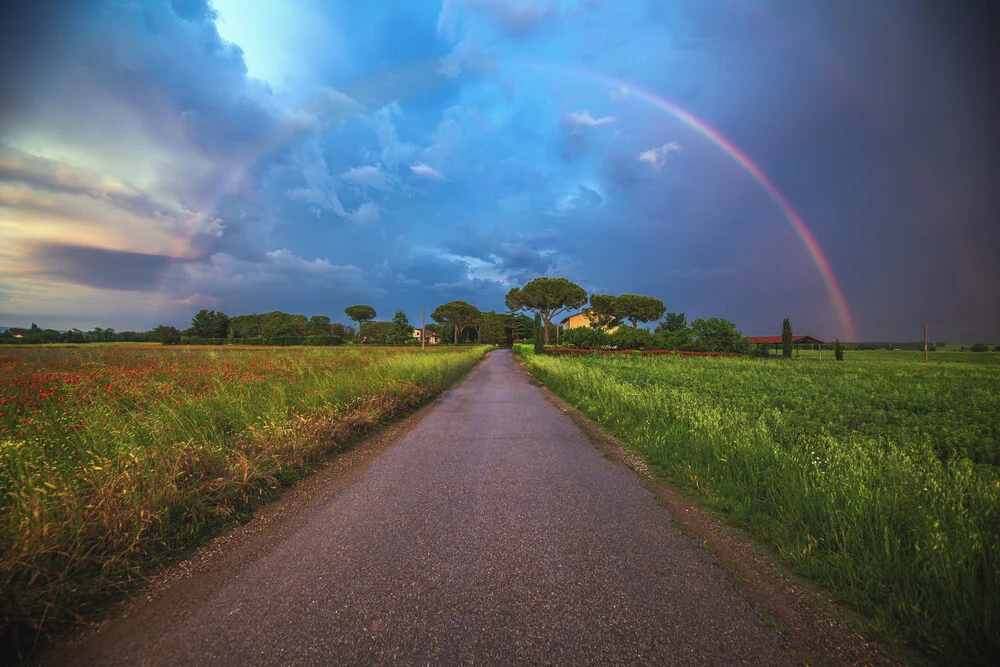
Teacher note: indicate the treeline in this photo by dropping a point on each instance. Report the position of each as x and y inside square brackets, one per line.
[35, 335]
[210, 327]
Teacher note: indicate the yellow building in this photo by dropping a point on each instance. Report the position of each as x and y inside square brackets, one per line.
[581, 319]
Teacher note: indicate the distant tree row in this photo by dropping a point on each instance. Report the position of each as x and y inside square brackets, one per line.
[35, 335]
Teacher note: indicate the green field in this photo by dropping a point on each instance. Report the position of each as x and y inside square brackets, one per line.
[112, 458]
[878, 476]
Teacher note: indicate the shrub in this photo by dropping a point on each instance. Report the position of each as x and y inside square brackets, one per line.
[587, 338]
[167, 335]
[838, 350]
[539, 340]
[199, 340]
[323, 340]
[979, 347]
[627, 338]
[284, 340]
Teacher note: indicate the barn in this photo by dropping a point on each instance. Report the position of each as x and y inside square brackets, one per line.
[796, 341]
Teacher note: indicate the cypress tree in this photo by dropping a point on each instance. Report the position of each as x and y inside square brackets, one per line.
[786, 339]
[539, 336]
[838, 350]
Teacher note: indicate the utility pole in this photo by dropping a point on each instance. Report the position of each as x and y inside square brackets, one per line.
[423, 328]
[925, 343]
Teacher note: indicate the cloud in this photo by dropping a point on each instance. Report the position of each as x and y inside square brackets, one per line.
[100, 267]
[366, 214]
[517, 18]
[580, 198]
[657, 157]
[428, 172]
[584, 119]
[368, 177]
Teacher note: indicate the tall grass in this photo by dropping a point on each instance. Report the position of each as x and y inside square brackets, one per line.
[112, 458]
[878, 478]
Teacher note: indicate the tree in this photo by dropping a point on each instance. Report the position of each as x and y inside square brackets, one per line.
[401, 331]
[603, 312]
[717, 335]
[638, 308]
[547, 297]
[979, 347]
[786, 339]
[209, 324]
[539, 339]
[167, 335]
[342, 330]
[277, 324]
[360, 314]
[456, 314]
[493, 328]
[672, 322]
[244, 326]
[318, 325]
[838, 351]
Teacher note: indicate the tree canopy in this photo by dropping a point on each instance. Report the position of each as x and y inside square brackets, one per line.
[603, 311]
[360, 314]
[548, 297]
[456, 314]
[638, 308]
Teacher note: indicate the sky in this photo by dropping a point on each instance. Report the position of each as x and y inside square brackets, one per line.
[834, 162]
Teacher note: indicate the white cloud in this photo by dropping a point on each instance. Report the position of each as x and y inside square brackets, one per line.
[584, 119]
[427, 171]
[366, 214]
[369, 177]
[656, 157]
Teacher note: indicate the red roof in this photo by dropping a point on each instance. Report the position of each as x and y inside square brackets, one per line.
[776, 340]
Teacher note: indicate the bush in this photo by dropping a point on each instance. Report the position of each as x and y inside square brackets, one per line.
[838, 350]
[762, 351]
[587, 338]
[323, 340]
[627, 338]
[979, 347]
[524, 349]
[199, 340]
[284, 340]
[167, 335]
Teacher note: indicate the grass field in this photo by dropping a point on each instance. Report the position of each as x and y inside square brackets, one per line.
[878, 476]
[112, 458]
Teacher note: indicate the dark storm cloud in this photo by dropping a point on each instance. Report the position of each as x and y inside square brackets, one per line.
[99, 267]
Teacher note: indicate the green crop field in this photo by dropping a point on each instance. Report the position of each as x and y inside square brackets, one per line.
[112, 457]
[878, 476]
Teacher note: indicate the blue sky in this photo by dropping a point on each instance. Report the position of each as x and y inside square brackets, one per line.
[158, 157]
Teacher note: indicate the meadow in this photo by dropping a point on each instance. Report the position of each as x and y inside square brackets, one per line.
[878, 477]
[114, 458]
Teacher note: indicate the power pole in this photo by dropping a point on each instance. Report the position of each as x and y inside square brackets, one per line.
[423, 328]
[925, 343]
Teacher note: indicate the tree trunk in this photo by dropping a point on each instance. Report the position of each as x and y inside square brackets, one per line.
[359, 333]
[456, 334]
[545, 324]
[635, 322]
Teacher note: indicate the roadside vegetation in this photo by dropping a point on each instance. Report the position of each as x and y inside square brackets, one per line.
[878, 477]
[112, 458]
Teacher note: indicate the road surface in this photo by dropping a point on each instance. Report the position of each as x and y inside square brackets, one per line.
[493, 532]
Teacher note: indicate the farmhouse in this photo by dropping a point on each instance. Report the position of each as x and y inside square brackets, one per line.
[432, 338]
[581, 319]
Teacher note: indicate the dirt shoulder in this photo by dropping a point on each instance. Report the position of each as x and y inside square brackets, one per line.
[808, 620]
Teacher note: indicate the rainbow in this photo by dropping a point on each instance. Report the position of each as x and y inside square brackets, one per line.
[322, 113]
[807, 238]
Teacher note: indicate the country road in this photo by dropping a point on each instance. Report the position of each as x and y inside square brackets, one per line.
[493, 532]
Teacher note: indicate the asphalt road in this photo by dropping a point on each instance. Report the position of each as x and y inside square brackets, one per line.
[494, 532]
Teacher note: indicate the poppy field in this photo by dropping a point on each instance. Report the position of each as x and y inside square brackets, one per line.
[878, 477]
[113, 458]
